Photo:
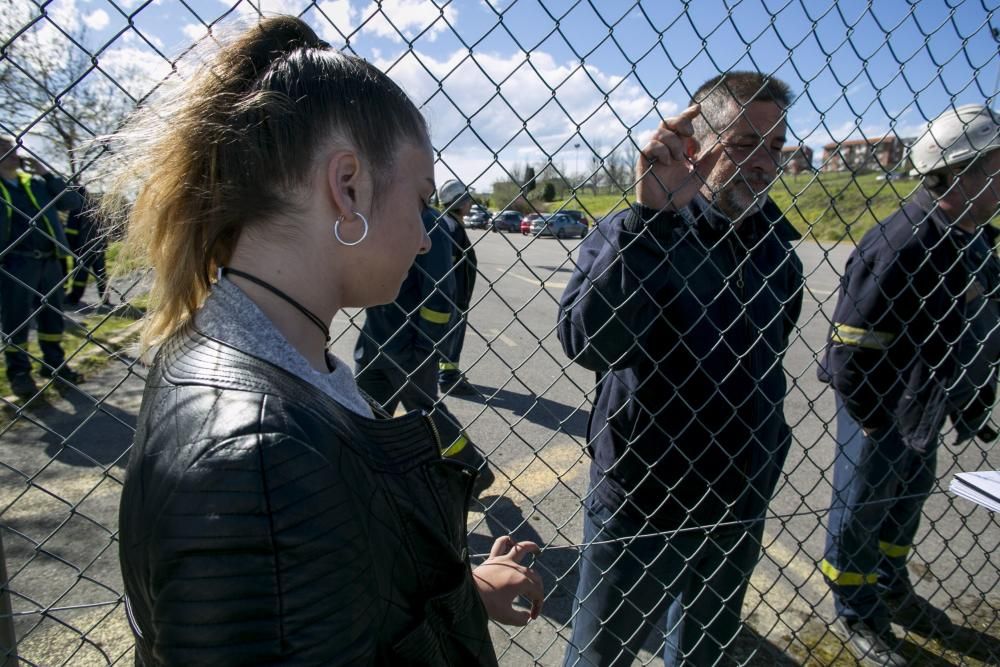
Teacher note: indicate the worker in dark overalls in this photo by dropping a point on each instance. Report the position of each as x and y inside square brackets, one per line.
[456, 203]
[89, 246]
[33, 248]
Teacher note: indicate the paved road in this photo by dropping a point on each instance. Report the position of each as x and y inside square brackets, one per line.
[532, 422]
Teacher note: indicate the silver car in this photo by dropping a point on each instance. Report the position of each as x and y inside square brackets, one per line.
[559, 225]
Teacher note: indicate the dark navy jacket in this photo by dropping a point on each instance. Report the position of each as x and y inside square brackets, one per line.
[405, 332]
[27, 227]
[899, 317]
[686, 321]
[463, 256]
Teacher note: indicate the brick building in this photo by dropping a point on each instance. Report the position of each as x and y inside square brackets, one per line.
[860, 155]
[797, 159]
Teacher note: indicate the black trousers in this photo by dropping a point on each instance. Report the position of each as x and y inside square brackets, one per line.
[31, 289]
[416, 390]
[91, 262]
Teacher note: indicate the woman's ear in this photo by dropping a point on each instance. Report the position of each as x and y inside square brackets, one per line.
[343, 180]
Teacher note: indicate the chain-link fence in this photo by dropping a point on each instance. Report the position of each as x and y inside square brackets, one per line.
[540, 108]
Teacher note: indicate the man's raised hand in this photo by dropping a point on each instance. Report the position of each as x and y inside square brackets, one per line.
[665, 177]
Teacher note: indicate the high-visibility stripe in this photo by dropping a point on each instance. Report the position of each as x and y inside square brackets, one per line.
[25, 180]
[456, 446]
[50, 337]
[435, 316]
[867, 338]
[71, 231]
[845, 578]
[893, 550]
[79, 283]
[447, 366]
[5, 193]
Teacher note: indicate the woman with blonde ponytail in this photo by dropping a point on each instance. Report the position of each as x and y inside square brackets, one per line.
[268, 516]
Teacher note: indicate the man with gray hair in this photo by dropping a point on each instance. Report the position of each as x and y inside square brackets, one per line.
[914, 338]
[684, 306]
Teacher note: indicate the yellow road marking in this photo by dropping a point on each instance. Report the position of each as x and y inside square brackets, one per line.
[546, 284]
[506, 340]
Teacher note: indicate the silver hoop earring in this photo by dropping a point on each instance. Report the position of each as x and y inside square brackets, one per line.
[336, 230]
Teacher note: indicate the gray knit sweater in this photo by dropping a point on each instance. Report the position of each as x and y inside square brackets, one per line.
[232, 317]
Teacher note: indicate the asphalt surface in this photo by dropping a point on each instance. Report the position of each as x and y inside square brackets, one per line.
[60, 472]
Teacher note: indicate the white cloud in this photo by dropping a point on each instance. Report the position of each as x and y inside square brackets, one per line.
[336, 21]
[389, 18]
[524, 122]
[267, 7]
[97, 19]
[194, 31]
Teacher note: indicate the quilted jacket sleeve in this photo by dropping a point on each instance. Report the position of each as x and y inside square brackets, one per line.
[251, 530]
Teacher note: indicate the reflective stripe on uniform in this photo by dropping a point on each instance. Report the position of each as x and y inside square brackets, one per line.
[867, 338]
[845, 578]
[50, 337]
[25, 180]
[456, 446]
[893, 550]
[447, 366]
[435, 316]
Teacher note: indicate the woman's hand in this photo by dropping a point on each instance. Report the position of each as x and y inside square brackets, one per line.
[502, 578]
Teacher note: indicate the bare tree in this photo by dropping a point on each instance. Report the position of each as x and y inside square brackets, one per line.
[52, 86]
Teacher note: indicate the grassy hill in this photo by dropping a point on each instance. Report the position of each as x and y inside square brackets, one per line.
[827, 207]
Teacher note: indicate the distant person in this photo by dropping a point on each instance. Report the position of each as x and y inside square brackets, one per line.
[33, 247]
[272, 515]
[456, 201]
[684, 306]
[396, 354]
[89, 245]
[913, 339]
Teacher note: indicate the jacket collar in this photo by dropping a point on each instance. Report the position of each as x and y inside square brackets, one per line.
[709, 219]
[927, 203]
[192, 358]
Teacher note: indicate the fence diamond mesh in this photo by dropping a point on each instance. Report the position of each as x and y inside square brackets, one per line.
[540, 108]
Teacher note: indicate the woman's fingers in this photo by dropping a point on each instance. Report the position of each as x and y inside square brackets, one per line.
[521, 549]
[501, 545]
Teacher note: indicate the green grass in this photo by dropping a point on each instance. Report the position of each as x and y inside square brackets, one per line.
[87, 345]
[826, 207]
[595, 206]
[837, 206]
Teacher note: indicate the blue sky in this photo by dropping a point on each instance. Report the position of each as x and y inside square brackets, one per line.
[596, 73]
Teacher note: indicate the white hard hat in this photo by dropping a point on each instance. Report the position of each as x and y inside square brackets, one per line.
[956, 136]
[451, 192]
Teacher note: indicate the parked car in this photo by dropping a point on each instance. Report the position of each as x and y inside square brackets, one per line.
[560, 225]
[527, 220]
[507, 221]
[579, 216]
[478, 218]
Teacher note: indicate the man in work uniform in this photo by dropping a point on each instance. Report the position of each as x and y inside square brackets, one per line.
[684, 306]
[89, 246]
[900, 358]
[33, 247]
[455, 199]
[397, 352]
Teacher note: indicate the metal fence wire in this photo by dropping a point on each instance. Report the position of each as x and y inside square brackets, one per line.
[630, 392]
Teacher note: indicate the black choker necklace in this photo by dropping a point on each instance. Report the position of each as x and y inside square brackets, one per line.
[277, 292]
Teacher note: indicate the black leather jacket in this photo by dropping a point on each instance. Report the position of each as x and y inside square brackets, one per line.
[262, 523]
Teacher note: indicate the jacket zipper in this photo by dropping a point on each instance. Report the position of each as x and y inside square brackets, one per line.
[464, 554]
[434, 430]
